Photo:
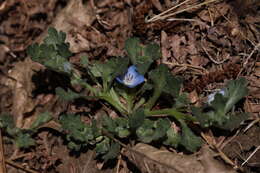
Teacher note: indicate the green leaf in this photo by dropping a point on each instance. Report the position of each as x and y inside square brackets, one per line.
[54, 37]
[163, 81]
[41, 119]
[109, 70]
[6, 120]
[122, 129]
[161, 127]
[236, 90]
[34, 51]
[181, 100]
[77, 129]
[136, 119]
[152, 51]
[217, 115]
[142, 56]
[67, 95]
[73, 146]
[146, 131]
[109, 124]
[53, 53]
[188, 139]
[24, 140]
[84, 61]
[234, 121]
[133, 49]
[113, 152]
[63, 50]
[173, 84]
[103, 146]
[118, 126]
[205, 119]
[218, 105]
[143, 63]
[173, 138]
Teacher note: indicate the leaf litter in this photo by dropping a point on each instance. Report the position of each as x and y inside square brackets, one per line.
[208, 45]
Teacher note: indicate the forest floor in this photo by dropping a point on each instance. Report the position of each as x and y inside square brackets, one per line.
[206, 42]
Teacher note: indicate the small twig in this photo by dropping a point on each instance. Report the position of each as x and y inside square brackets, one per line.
[20, 167]
[2, 157]
[185, 65]
[118, 163]
[249, 56]
[188, 20]
[251, 155]
[212, 59]
[156, 17]
[251, 124]
[229, 140]
[21, 156]
[160, 17]
[85, 169]
[213, 145]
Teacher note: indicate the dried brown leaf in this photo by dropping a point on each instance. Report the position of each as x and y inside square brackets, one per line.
[149, 159]
[19, 81]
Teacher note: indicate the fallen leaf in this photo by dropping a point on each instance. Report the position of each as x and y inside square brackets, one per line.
[20, 82]
[150, 159]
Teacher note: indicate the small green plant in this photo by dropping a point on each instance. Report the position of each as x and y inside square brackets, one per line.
[22, 138]
[134, 87]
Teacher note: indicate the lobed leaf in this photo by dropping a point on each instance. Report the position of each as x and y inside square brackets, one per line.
[136, 119]
[173, 138]
[67, 95]
[236, 90]
[41, 119]
[24, 140]
[188, 139]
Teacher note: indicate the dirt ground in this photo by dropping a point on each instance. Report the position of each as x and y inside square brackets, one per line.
[207, 42]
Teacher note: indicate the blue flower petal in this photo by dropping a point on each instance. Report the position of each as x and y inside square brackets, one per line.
[211, 97]
[132, 69]
[132, 78]
[138, 80]
[119, 79]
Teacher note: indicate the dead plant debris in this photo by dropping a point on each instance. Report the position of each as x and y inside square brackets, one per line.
[207, 42]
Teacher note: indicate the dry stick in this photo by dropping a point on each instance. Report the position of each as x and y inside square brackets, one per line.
[247, 59]
[185, 65]
[20, 167]
[183, 10]
[85, 169]
[251, 124]
[2, 157]
[170, 9]
[220, 152]
[118, 164]
[251, 155]
[213, 60]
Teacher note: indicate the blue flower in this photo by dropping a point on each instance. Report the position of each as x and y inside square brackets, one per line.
[131, 78]
[211, 97]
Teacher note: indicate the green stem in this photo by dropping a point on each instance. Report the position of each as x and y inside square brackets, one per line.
[139, 103]
[76, 79]
[114, 103]
[153, 99]
[170, 112]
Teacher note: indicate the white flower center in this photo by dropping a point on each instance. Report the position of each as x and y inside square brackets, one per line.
[128, 79]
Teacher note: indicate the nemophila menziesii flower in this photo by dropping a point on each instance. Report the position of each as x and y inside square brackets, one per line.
[211, 97]
[131, 78]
